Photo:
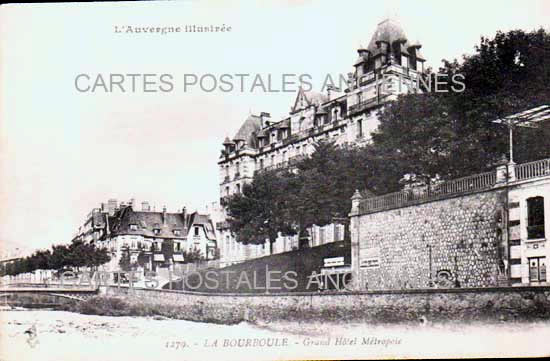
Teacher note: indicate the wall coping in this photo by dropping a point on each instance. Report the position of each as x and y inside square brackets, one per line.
[443, 197]
[427, 291]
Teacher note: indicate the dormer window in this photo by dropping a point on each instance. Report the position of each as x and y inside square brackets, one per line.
[133, 227]
[177, 232]
[156, 231]
[336, 113]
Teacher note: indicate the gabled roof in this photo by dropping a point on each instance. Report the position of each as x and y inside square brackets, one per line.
[308, 98]
[196, 219]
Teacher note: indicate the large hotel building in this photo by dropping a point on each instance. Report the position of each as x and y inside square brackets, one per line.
[344, 117]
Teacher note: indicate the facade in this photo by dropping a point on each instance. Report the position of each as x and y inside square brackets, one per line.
[349, 117]
[159, 238]
[484, 230]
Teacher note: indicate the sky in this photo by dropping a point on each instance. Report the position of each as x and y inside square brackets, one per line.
[63, 151]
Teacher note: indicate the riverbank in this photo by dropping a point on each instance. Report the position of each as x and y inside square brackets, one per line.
[443, 305]
[413, 308]
[68, 336]
[129, 306]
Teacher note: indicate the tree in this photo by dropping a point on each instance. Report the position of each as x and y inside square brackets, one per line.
[449, 135]
[125, 263]
[98, 256]
[193, 255]
[262, 210]
[59, 258]
[317, 191]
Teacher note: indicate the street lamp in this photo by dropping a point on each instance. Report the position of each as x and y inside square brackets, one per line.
[429, 246]
[528, 119]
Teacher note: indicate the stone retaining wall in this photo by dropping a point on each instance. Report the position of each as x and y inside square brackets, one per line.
[410, 247]
[389, 306]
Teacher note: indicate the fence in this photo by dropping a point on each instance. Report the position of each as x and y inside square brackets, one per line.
[406, 197]
[539, 168]
[471, 183]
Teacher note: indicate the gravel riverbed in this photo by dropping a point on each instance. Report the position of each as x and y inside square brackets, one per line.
[57, 335]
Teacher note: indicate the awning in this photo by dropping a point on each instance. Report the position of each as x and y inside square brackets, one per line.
[178, 258]
[159, 258]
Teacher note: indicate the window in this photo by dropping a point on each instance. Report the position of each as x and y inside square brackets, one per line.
[238, 188]
[535, 218]
[360, 128]
[237, 168]
[197, 230]
[133, 227]
[537, 269]
[177, 246]
[336, 113]
[338, 236]
[261, 163]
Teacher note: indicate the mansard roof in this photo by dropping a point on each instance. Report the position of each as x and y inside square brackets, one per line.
[248, 130]
[148, 222]
[388, 31]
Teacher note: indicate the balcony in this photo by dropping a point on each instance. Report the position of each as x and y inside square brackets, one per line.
[291, 162]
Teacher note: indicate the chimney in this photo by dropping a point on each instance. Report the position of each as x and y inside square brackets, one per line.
[131, 203]
[184, 215]
[111, 206]
[164, 215]
[145, 207]
[264, 116]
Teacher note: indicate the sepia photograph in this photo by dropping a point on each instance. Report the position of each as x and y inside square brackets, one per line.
[274, 180]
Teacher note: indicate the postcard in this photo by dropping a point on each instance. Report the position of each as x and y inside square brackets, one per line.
[274, 180]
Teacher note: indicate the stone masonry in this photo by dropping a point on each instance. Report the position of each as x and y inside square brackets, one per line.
[449, 243]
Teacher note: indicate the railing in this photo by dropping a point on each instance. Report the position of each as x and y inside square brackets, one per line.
[538, 168]
[292, 161]
[402, 198]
